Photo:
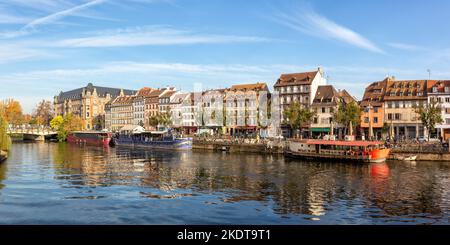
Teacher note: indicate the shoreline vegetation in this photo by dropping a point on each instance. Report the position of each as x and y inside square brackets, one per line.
[5, 140]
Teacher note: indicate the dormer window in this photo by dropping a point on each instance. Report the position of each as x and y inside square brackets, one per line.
[435, 89]
[447, 89]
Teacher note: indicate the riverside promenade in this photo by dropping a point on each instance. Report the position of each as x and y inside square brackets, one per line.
[228, 144]
[432, 151]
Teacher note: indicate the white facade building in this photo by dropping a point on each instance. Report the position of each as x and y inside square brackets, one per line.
[440, 92]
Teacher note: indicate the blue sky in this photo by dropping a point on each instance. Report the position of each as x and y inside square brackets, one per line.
[51, 45]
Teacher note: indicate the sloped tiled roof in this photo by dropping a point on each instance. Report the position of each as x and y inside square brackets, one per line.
[249, 87]
[438, 86]
[296, 78]
[101, 91]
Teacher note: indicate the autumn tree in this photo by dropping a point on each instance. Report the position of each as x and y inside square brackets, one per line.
[12, 111]
[43, 113]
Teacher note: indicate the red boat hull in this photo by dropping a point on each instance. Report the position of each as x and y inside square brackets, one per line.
[101, 139]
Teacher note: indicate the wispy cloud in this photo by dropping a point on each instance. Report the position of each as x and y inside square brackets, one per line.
[63, 9]
[14, 52]
[407, 47]
[61, 14]
[312, 23]
[152, 35]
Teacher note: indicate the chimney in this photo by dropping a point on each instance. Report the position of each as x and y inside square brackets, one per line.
[320, 70]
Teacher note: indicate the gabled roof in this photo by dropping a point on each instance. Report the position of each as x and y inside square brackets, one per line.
[168, 94]
[438, 86]
[143, 92]
[179, 98]
[405, 90]
[325, 92]
[296, 78]
[123, 100]
[250, 87]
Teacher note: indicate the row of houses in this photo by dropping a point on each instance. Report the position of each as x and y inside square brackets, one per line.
[240, 109]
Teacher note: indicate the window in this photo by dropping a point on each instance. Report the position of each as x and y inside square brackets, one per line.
[390, 116]
[375, 120]
[375, 109]
[323, 109]
[366, 119]
[447, 89]
[315, 120]
[447, 121]
[435, 89]
[398, 116]
[447, 100]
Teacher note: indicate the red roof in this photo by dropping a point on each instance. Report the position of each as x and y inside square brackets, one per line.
[343, 143]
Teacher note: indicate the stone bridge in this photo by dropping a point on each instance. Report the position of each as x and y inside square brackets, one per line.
[34, 133]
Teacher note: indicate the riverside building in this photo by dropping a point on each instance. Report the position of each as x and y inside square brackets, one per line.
[297, 87]
[87, 102]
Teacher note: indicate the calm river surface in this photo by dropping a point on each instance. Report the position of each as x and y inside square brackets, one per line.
[50, 183]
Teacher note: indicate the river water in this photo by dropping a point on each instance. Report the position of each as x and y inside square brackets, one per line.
[51, 183]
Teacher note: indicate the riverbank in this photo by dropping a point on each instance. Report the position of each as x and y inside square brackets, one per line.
[435, 157]
[277, 147]
[3, 156]
[239, 146]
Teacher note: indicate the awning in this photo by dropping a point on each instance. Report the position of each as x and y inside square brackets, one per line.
[320, 130]
[132, 128]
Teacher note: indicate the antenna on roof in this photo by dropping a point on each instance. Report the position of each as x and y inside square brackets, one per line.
[429, 74]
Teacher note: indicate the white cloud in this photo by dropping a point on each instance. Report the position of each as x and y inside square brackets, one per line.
[146, 36]
[312, 23]
[61, 14]
[12, 52]
[407, 47]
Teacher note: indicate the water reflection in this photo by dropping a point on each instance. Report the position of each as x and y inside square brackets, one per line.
[276, 190]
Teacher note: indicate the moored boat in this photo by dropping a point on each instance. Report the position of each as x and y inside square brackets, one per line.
[357, 151]
[98, 138]
[153, 139]
[408, 158]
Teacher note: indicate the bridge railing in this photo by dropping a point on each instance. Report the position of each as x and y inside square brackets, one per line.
[30, 129]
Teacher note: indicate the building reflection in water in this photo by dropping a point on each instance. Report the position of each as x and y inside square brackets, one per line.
[287, 187]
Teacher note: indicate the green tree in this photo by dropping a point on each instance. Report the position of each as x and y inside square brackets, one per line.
[347, 113]
[99, 122]
[153, 121]
[298, 116]
[430, 115]
[65, 125]
[5, 140]
[57, 122]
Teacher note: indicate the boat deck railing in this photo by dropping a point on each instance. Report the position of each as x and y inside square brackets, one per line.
[334, 154]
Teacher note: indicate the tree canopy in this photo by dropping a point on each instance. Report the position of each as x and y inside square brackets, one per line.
[297, 116]
[65, 125]
[43, 113]
[430, 115]
[347, 113]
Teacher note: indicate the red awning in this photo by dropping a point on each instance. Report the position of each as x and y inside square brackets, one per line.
[343, 143]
